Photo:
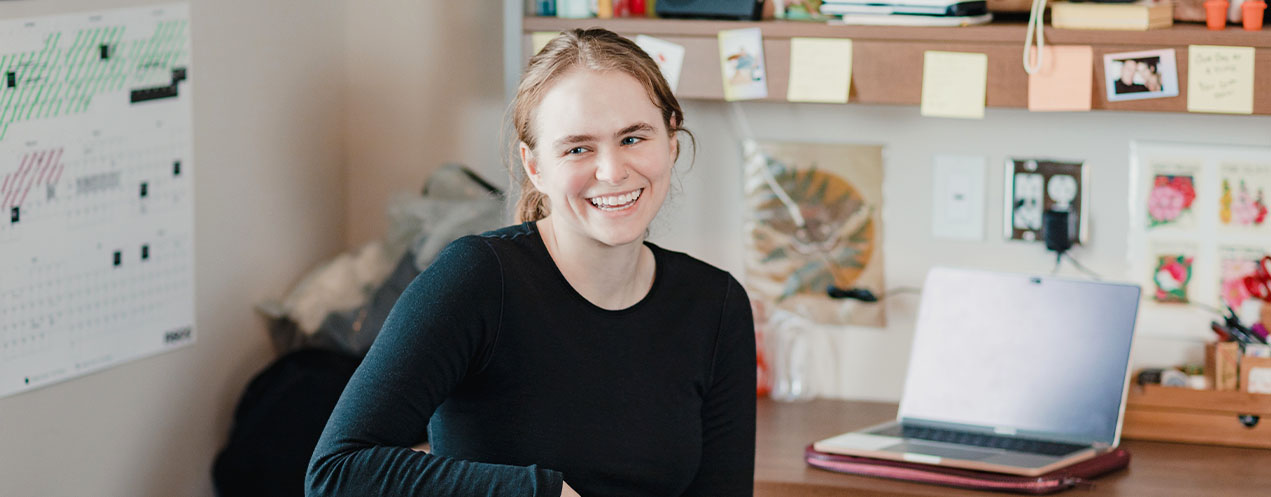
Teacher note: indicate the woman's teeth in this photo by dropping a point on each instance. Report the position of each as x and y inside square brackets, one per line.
[616, 202]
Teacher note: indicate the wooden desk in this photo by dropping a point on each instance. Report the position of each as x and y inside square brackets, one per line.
[1156, 469]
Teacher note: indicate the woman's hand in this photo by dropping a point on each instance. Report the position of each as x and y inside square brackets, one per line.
[566, 491]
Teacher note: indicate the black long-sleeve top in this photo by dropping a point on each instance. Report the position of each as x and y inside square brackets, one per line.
[527, 383]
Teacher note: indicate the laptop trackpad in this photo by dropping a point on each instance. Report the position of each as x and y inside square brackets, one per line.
[941, 451]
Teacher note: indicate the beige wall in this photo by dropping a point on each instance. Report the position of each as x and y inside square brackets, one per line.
[705, 219]
[425, 87]
[269, 148]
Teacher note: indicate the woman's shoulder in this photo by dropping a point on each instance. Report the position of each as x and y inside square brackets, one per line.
[487, 251]
[687, 268]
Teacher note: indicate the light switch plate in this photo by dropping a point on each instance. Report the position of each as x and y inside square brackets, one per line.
[957, 207]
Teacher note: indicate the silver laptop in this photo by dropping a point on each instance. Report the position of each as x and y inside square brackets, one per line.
[1009, 373]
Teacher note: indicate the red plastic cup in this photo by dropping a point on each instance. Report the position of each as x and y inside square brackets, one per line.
[1216, 14]
[1251, 14]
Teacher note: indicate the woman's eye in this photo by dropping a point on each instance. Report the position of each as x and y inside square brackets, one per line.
[632, 140]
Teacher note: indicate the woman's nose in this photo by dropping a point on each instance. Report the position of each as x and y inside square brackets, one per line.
[611, 168]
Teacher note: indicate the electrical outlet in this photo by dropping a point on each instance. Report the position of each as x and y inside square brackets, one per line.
[1033, 186]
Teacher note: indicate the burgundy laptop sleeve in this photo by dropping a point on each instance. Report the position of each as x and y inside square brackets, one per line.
[1079, 474]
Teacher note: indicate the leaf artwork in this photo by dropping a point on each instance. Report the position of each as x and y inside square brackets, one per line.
[813, 218]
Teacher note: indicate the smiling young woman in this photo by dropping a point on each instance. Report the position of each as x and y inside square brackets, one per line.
[564, 355]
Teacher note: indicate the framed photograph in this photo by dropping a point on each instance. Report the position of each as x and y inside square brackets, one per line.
[1140, 75]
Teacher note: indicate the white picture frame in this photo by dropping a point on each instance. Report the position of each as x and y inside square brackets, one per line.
[1153, 74]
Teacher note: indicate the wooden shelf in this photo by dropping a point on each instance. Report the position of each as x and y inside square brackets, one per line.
[887, 60]
[1003, 32]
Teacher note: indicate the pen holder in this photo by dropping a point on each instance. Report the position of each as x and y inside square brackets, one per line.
[1216, 14]
[1251, 14]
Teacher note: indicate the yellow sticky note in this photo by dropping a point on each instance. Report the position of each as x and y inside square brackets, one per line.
[820, 70]
[539, 39]
[1064, 81]
[953, 84]
[1220, 79]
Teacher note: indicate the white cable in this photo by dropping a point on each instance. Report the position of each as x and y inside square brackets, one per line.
[1036, 23]
[743, 128]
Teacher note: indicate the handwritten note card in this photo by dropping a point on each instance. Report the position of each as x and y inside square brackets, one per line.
[953, 84]
[1220, 79]
[1065, 80]
[820, 70]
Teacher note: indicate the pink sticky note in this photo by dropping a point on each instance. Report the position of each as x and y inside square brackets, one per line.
[1064, 81]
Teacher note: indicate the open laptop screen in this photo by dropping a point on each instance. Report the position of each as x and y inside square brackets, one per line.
[1023, 353]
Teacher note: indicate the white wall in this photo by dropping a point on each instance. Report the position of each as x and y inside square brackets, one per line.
[425, 87]
[269, 147]
[705, 219]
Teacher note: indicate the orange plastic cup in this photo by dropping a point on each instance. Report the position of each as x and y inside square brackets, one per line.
[1216, 14]
[1251, 14]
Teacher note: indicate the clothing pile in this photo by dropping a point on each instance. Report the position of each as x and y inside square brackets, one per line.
[325, 325]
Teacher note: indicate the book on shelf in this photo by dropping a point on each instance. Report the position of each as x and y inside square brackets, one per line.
[910, 20]
[1138, 16]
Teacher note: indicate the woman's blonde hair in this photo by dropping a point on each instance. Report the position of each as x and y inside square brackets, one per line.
[597, 50]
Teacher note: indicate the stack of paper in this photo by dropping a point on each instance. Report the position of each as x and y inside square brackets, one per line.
[908, 12]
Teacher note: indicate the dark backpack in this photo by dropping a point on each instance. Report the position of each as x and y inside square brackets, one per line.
[277, 424]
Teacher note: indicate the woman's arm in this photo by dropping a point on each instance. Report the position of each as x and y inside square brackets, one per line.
[728, 412]
[438, 333]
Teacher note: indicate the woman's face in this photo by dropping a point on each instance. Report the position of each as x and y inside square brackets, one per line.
[603, 156]
[1128, 69]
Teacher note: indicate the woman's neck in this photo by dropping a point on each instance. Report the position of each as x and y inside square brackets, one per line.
[612, 278]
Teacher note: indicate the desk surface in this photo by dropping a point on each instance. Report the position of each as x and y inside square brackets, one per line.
[1156, 469]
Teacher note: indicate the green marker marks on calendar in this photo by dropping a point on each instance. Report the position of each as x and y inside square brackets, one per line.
[68, 73]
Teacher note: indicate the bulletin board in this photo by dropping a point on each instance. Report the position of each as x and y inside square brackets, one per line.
[1198, 224]
[96, 192]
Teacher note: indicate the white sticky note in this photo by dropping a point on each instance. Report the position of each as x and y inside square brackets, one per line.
[954, 84]
[957, 203]
[1220, 79]
[669, 57]
[820, 70]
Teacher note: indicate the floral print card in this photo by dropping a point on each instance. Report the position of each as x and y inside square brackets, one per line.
[1172, 272]
[1171, 198]
[1242, 200]
[1235, 264]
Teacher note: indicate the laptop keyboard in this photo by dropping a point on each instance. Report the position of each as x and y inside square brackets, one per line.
[990, 441]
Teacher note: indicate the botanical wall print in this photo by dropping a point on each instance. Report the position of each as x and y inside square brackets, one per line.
[1242, 201]
[1198, 222]
[1235, 264]
[813, 218]
[1172, 273]
[1171, 200]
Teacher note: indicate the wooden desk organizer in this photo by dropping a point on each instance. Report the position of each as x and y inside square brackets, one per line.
[1174, 414]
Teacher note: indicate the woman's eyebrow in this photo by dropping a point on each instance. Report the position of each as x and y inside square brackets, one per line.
[571, 139]
[635, 127]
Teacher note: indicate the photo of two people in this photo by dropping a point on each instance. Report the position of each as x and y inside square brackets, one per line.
[1140, 75]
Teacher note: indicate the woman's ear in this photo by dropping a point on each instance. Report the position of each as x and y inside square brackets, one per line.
[675, 139]
[529, 163]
